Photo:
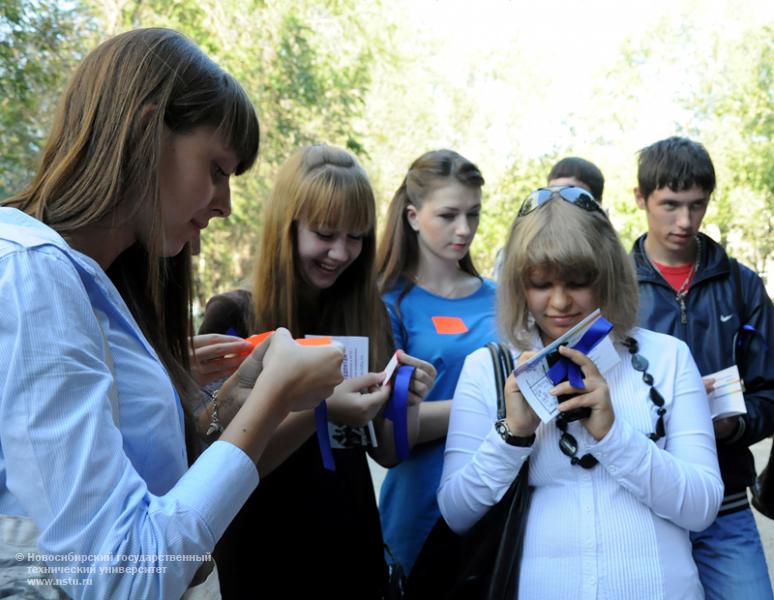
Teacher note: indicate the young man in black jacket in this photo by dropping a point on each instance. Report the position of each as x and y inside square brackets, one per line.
[691, 289]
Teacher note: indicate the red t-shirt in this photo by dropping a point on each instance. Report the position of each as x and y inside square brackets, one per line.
[675, 276]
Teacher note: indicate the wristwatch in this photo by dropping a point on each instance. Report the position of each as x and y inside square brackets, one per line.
[502, 428]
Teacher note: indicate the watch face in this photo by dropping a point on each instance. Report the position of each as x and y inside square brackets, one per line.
[502, 429]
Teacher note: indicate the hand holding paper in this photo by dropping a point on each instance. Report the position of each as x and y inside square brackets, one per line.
[727, 396]
[317, 340]
[595, 395]
[521, 419]
[309, 374]
[353, 404]
[306, 374]
[532, 376]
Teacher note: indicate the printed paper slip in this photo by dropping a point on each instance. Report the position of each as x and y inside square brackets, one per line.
[532, 376]
[727, 397]
[355, 364]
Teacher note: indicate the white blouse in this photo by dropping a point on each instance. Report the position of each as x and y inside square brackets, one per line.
[619, 530]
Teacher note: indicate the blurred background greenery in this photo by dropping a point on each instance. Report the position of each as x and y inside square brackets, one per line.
[511, 85]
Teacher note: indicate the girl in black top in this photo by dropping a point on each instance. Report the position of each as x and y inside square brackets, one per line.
[306, 530]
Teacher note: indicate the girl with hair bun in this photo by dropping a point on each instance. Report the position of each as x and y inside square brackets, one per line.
[314, 275]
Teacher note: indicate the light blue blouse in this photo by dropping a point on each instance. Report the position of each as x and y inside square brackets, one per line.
[96, 490]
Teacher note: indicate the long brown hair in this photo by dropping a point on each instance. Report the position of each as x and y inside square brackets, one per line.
[398, 253]
[325, 187]
[567, 241]
[102, 160]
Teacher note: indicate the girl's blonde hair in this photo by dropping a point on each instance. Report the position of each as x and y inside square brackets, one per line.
[572, 244]
[324, 187]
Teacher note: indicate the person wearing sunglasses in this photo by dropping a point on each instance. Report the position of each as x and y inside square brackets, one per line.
[690, 288]
[569, 171]
[569, 193]
[614, 493]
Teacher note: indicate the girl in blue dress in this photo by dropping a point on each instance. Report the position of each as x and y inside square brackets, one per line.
[441, 310]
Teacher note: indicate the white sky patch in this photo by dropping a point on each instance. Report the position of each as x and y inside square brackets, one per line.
[565, 49]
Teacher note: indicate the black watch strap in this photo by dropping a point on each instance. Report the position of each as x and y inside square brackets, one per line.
[513, 440]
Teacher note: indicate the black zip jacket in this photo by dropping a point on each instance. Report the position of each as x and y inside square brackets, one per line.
[721, 300]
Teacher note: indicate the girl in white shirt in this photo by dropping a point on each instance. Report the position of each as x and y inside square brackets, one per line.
[612, 506]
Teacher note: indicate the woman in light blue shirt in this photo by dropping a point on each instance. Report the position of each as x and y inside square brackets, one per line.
[96, 401]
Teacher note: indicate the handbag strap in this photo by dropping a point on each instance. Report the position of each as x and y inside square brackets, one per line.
[502, 363]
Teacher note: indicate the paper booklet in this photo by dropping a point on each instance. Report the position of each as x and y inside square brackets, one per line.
[532, 377]
[727, 398]
[355, 364]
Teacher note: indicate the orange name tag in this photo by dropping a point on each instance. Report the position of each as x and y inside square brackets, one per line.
[447, 325]
[316, 341]
[255, 340]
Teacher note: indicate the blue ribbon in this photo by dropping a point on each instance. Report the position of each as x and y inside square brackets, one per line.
[321, 419]
[564, 368]
[396, 410]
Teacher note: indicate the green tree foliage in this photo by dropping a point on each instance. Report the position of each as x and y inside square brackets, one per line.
[306, 65]
[38, 47]
[734, 113]
[385, 82]
[503, 203]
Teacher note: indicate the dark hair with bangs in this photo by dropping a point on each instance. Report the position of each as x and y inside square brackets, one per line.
[320, 186]
[677, 163]
[572, 244]
[100, 166]
[398, 255]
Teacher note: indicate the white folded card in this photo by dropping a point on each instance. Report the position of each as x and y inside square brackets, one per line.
[389, 370]
[532, 375]
[355, 364]
[727, 397]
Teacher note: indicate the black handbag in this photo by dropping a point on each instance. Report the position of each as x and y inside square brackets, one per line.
[482, 563]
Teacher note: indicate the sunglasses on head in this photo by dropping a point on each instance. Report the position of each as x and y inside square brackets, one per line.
[574, 195]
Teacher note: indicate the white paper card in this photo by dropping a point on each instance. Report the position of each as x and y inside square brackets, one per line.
[389, 370]
[532, 376]
[355, 364]
[727, 398]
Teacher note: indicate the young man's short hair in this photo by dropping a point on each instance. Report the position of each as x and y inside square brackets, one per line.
[583, 170]
[677, 163]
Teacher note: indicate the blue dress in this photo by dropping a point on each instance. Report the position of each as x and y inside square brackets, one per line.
[442, 331]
